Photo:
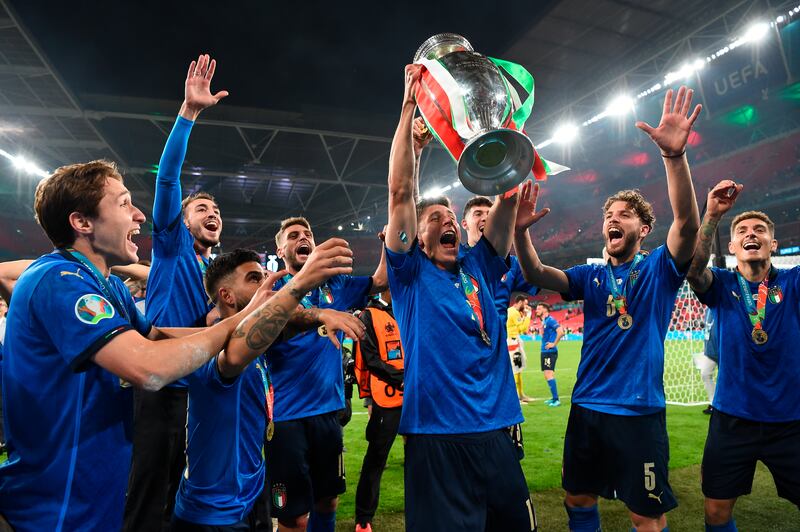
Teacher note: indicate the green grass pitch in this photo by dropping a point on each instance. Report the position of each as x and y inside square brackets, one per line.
[543, 433]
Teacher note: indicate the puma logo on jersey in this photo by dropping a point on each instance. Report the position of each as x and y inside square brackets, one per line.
[656, 497]
[596, 281]
[76, 273]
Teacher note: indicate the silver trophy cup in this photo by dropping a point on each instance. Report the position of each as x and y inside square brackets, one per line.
[495, 158]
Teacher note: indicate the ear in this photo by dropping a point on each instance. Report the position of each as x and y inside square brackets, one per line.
[644, 231]
[279, 252]
[81, 223]
[773, 246]
[225, 295]
[464, 224]
[731, 249]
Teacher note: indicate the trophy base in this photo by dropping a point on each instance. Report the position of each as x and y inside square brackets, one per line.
[495, 162]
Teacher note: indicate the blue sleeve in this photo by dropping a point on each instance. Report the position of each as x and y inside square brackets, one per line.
[76, 316]
[167, 203]
[208, 375]
[711, 296]
[354, 291]
[668, 269]
[482, 257]
[138, 321]
[553, 322]
[577, 276]
[403, 267]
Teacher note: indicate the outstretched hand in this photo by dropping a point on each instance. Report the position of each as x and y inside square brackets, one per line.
[722, 197]
[413, 75]
[334, 321]
[526, 213]
[197, 91]
[673, 129]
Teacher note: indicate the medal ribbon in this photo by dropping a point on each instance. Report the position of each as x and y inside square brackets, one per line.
[77, 256]
[756, 312]
[471, 296]
[201, 263]
[269, 393]
[621, 298]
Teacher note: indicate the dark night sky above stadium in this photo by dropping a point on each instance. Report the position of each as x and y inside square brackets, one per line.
[275, 55]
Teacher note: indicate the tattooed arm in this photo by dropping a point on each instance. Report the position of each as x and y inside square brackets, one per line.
[260, 328]
[720, 200]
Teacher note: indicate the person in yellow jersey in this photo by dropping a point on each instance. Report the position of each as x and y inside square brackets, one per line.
[519, 319]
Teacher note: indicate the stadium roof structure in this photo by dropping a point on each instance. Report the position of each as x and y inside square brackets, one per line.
[264, 164]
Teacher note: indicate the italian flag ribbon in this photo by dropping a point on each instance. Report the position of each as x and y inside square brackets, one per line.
[444, 110]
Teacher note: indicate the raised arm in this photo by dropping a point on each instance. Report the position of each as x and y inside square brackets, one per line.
[670, 136]
[139, 272]
[9, 273]
[499, 228]
[258, 330]
[720, 200]
[532, 268]
[197, 96]
[422, 136]
[402, 224]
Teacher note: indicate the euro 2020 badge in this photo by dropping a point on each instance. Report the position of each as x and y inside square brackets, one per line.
[93, 308]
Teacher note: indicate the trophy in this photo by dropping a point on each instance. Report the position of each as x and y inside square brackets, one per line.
[475, 112]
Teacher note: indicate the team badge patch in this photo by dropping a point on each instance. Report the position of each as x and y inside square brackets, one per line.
[279, 495]
[93, 308]
[775, 295]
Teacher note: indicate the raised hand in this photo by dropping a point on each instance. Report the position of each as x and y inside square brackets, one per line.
[673, 130]
[197, 91]
[334, 321]
[421, 134]
[722, 197]
[413, 75]
[332, 257]
[264, 292]
[526, 213]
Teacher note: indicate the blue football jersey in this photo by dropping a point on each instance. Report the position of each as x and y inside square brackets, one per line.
[549, 333]
[757, 382]
[621, 371]
[306, 369]
[454, 382]
[67, 420]
[512, 281]
[225, 434]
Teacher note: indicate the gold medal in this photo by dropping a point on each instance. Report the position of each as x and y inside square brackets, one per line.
[760, 336]
[322, 331]
[625, 321]
[485, 338]
[270, 430]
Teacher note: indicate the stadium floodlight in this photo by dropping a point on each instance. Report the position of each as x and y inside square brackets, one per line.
[565, 133]
[432, 193]
[24, 164]
[455, 184]
[339, 228]
[621, 105]
[780, 19]
[756, 32]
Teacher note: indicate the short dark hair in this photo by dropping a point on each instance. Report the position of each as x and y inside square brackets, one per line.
[476, 201]
[635, 201]
[519, 298]
[196, 196]
[545, 305]
[288, 222]
[72, 188]
[223, 266]
[753, 214]
[424, 203]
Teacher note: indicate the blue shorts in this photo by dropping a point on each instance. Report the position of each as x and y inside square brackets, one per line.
[304, 463]
[549, 360]
[619, 457]
[734, 445]
[466, 482]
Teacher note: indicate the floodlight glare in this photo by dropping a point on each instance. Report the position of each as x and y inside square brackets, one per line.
[565, 133]
[620, 105]
[756, 32]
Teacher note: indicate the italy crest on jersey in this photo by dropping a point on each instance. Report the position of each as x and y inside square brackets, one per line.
[775, 295]
[93, 308]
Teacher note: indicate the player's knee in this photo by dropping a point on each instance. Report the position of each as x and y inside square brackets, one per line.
[719, 511]
[291, 524]
[644, 523]
[326, 505]
[580, 500]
